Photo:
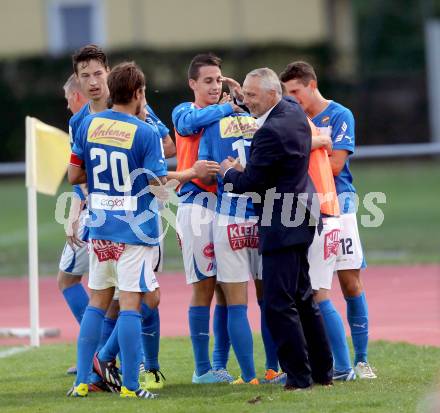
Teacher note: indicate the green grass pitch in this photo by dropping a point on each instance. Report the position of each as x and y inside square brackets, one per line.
[34, 381]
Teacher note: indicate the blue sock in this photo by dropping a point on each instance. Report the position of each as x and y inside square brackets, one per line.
[150, 336]
[77, 300]
[241, 339]
[129, 336]
[357, 316]
[89, 334]
[199, 330]
[270, 347]
[222, 343]
[107, 329]
[111, 347]
[334, 328]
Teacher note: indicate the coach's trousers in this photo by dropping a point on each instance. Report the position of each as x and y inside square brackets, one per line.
[294, 319]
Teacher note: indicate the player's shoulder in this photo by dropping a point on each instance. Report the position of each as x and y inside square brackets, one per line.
[339, 110]
[151, 112]
[183, 107]
[79, 116]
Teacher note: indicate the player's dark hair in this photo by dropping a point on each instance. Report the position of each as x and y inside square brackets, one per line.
[123, 81]
[207, 59]
[302, 71]
[87, 53]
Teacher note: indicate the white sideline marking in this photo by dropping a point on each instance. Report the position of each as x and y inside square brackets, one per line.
[14, 350]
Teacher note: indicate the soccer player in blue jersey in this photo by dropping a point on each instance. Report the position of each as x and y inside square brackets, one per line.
[118, 156]
[236, 238]
[91, 69]
[198, 200]
[300, 81]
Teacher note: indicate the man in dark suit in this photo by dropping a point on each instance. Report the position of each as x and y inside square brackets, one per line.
[277, 172]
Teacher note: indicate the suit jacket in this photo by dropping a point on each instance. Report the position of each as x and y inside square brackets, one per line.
[279, 160]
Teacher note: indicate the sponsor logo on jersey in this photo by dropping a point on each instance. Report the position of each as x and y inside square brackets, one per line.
[111, 132]
[107, 250]
[235, 126]
[331, 243]
[113, 203]
[243, 236]
[325, 119]
[342, 133]
[208, 251]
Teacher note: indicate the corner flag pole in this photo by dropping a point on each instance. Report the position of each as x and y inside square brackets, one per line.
[32, 232]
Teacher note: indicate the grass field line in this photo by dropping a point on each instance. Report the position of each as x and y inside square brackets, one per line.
[20, 236]
[12, 351]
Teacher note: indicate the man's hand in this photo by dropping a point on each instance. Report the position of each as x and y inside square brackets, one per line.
[226, 98]
[163, 191]
[230, 163]
[234, 88]
[71, 226]
[206, 169]
[319, 141]
[72, 235]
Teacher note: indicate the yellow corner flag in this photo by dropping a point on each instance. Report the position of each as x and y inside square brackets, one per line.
[47, 156]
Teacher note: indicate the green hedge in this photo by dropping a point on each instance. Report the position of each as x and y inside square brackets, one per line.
[33, 86]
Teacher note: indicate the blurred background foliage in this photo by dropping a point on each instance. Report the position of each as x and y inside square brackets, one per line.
[387, 93]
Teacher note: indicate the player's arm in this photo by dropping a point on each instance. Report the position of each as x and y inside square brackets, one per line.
[169, 147]
[76, 173]
[322, 141]
[71, 228]
[337, 160]
[201, 169]
[189, 120]
[234, 88]
[205, 154]
[343, 141]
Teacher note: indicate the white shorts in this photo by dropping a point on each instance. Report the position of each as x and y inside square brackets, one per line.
[76, 261]
[194, 232]
[115, 264]
[350, 254]
[323, 253]
[158, 250]
[236, 250]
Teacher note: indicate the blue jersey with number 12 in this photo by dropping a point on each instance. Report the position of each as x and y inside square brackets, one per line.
[230, 136]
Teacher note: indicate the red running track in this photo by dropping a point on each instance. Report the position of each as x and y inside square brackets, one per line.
[404, 305]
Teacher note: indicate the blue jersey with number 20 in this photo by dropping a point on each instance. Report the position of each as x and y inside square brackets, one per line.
[121, 154]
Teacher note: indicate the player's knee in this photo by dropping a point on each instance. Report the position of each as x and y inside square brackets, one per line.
[321, 295]
[202, 292]
[352, 287]
[65, 280]
[152, 299]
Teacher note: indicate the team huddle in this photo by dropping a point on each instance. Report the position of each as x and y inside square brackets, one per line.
[118, 170]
